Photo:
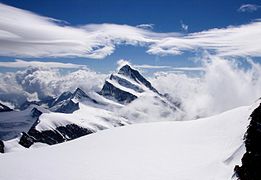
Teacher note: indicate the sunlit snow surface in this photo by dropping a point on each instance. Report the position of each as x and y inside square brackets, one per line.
[203, 149]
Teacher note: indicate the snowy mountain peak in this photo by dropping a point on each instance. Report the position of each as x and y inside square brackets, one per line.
[126, 85]
[64, 96]
[78, 93]
[131, 73]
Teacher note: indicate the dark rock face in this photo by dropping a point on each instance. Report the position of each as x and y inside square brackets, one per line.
[35, 113]
[65, 103]
[64, 96]
[2, 147]
[251, 161]
[68, 107]
[81, 95]
[26, 140]
[136, 76]
[4, 108]
[126, 83]
[121, 96]
[72, 131]
[50, 137]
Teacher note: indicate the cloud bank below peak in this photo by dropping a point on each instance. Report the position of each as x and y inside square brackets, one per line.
[51, 38]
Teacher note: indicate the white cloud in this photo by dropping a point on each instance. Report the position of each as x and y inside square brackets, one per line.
[145, 26]
[189, 68]
[122, 62]
[184, 26]
[147, 66]
[249, 8]
[18, 63]
[231, 41]
[25, 34]
[221, 86]
[38, 82]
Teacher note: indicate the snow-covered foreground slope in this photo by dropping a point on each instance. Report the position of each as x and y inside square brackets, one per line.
[204, 149]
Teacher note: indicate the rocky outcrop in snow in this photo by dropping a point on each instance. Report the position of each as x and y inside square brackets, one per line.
[2, 146]
[50, 137]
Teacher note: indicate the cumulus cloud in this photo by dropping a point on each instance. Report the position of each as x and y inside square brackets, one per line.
[248, 8]
[18, 63]
[25, 34]
[36, 83]
[221, 86]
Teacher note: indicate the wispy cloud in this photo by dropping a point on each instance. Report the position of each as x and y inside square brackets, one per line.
[147, 66]
[145, 26]
[184, 26]
[248, 8]
[49, 38]
[189, 68]
[122, 62]
[24, 64]
[231, 41]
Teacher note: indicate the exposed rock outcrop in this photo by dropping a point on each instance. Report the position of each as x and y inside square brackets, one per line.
[119, 95]
[50, 137]
[2, 147]
[4, 108]
[251, 161]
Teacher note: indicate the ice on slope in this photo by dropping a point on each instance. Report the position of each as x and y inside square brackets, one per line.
[204, 149]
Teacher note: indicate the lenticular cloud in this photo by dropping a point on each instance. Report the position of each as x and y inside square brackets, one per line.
[48, 38]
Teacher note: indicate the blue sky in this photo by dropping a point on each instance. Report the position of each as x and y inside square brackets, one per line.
[166, 16]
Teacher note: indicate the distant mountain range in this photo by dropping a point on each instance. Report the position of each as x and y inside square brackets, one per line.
[74, 114]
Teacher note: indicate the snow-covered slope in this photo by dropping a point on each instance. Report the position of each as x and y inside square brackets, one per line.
[87, 117]
[203, 149]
